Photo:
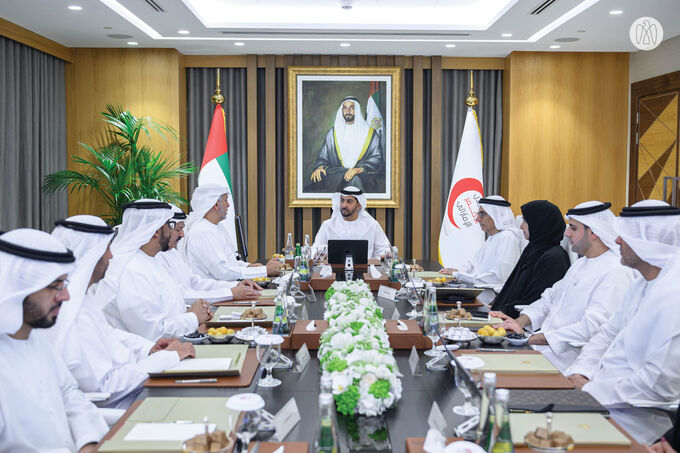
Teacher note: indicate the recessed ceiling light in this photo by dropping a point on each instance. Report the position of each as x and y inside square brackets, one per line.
[615, 12]
[344, 44]
[183, 32]
[450, 45]
[554, 46]
[75, 7]
[239, 43]
[507, 35]
[133, 43]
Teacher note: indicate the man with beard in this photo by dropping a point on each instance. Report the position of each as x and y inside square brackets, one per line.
[351, 154]
[632, 360]
[146, 300]
[41, 408]
[494, 261]
[351, 221]
[100, 357]
[206, 247]
[193, 285]
[574, 308]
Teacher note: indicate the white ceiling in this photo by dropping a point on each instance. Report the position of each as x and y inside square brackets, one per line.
[383, 27]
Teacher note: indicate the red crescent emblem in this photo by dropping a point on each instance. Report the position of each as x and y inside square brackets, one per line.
[459, 188]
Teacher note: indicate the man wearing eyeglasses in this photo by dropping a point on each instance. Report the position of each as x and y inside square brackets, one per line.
[41, 408]
[138, 293]
[195, 286]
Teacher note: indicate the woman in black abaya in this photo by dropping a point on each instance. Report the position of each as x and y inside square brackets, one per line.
[543, 261]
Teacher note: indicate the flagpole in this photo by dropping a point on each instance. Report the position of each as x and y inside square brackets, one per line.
[471, 100]
[217, 98]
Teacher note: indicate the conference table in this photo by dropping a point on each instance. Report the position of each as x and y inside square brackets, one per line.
[408, 419]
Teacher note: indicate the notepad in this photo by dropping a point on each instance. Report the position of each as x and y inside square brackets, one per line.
[150, 432]
[213, 364]
[516, 363]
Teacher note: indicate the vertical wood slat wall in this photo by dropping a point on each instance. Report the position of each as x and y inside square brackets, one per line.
[301, 221]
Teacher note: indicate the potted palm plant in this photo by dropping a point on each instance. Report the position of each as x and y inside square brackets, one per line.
[124, 170]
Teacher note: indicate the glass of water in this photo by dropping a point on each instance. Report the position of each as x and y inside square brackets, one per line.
[249, 406]
[269, 353]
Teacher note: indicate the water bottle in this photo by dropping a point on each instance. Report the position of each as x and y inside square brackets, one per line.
[279, 311]
[288, 251]
[502, 442]
[486, 413]
[327, 432]
[326, 384]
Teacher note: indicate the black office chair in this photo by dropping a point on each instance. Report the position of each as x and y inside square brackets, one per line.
[240, 239]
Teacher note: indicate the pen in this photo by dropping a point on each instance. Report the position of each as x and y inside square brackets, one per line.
[196, 381]
[495, 350]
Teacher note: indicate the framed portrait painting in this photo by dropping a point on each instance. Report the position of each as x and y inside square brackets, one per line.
[343, 130]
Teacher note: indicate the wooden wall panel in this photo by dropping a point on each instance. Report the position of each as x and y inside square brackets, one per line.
[567, 120]
[146, 82]
[399, 217]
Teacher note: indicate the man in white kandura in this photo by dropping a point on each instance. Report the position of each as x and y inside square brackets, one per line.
[494, 262]
[633, 359]
[206, 247]
[100, 357]
[194, 286]
[351, 221]
[574, 308]
[41, 407]
[147, 300]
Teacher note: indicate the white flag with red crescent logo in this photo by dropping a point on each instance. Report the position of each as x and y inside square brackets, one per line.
[461, 236]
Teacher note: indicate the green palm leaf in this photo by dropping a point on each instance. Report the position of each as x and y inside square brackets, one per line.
[123, 171]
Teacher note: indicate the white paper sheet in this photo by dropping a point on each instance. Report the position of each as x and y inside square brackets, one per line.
[166, 431]
[222, 363]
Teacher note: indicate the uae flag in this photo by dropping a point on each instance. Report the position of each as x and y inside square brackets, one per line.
[461, 236]
[373, 115]
[215, 167]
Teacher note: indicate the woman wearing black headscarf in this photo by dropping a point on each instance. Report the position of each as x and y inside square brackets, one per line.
[543, 261]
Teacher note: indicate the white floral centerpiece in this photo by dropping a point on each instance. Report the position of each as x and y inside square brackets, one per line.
[355, 351]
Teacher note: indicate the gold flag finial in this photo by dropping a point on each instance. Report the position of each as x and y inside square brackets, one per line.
[217, 98]
[471, 100]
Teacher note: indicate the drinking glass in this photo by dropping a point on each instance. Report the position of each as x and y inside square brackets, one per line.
[431, 325]
[268, 353]
[467, 409]
[248, 428]
[413, 299]
[249, 405]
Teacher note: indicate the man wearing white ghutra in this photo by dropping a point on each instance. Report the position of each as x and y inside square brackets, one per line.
[351, 155]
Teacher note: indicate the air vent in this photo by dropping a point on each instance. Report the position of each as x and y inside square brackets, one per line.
[155, 6]
[539, 9]
[119, 36]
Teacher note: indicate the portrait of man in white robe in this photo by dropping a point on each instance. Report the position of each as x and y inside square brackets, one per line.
[344, 131]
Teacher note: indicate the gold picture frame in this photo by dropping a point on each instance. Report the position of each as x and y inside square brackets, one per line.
[315, 95]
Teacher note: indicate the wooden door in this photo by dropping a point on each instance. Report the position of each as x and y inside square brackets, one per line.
[655, 107]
